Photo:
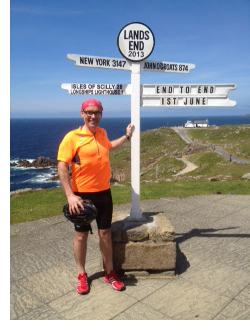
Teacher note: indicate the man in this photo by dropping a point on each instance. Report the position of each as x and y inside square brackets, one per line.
[87, 150]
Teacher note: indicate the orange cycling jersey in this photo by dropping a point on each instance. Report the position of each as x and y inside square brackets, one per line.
[89, 155]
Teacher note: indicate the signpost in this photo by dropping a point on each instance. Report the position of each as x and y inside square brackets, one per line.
[166, 67]
[97, 89]
[136, 43]
[193, 95]
[181, 101]
[100, 62]
[218, 90]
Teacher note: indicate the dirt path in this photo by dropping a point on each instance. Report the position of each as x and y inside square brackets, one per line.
[189, 166]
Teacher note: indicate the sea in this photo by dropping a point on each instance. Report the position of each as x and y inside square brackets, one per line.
[32, 138]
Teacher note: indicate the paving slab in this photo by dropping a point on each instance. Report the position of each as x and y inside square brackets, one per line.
[51, 283]
[140, 311]
[140, 289]
[29, 262]
[183, 300]
[33, 238]
[22, 301]
[104, 304]
[41, 313]
[244, 296]
[236, 200]
[235, 310]
[218, 277]
[238, 259]
[212, 276]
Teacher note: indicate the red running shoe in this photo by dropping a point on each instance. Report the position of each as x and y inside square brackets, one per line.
[82, 285]
[113, 280]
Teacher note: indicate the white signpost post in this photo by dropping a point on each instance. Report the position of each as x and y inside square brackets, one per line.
[136, 43]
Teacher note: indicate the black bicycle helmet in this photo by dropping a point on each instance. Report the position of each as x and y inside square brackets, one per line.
[86, 216]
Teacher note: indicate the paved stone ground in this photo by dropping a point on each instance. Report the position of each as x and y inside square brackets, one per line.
[213, 268]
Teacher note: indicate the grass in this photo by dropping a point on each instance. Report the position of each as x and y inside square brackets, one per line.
[156, 145]
[210, 164]
[35, 205]
[233, 139]
[163, 169]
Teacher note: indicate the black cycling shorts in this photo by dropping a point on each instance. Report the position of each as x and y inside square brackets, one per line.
[104, 204]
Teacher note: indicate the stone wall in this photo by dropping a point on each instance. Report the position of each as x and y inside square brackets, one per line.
[145, 245]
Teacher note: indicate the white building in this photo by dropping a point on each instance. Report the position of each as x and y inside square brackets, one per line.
[196, 124]
[189, 124]
[201, 123]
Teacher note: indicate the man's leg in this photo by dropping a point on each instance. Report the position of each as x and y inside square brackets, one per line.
[107, 254]
[80, 250]
[106, 248]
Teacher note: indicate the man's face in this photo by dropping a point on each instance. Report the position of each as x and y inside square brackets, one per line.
[92, 117]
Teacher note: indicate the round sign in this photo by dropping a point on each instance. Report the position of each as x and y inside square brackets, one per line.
[136, 41]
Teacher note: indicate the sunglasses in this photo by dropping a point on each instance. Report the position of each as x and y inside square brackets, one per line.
[97, 114]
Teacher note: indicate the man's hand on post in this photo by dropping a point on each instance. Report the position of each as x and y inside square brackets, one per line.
[129, 129]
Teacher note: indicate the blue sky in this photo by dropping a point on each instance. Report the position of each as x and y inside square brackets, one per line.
[213, 35]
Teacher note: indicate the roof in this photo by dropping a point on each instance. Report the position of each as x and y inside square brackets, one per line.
[201, 121]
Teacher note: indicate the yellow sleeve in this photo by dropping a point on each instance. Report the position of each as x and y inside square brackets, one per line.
[67, 148]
